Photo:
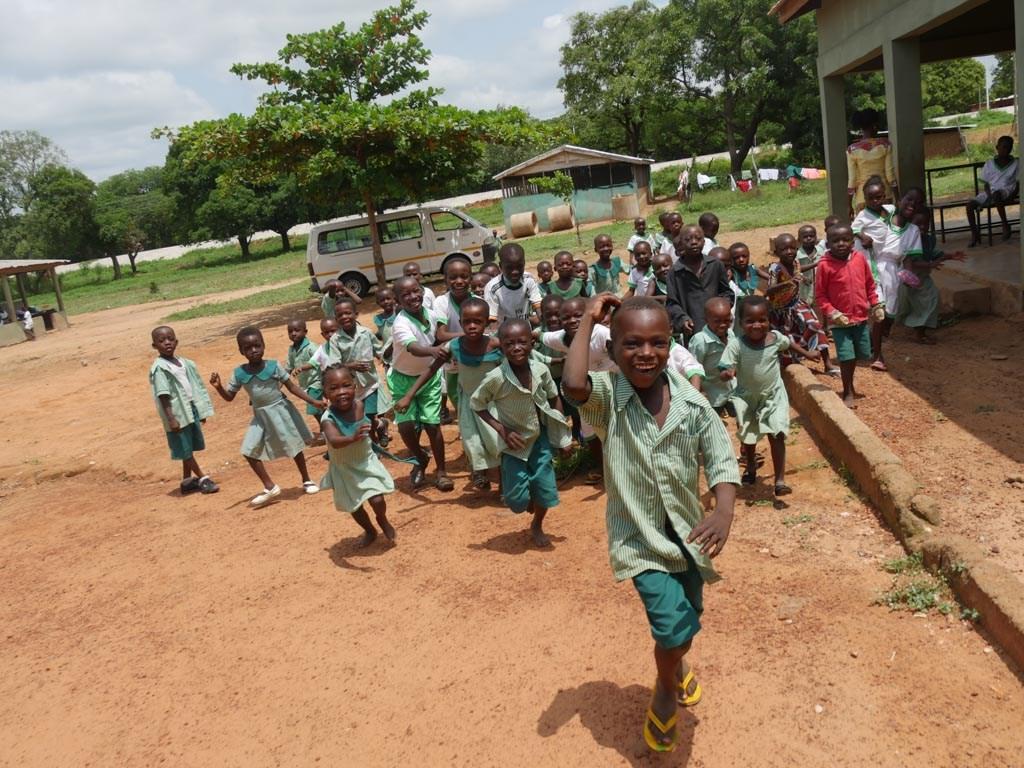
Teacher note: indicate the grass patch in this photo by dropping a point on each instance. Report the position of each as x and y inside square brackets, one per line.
[915, 589]
[285, 294]
[789, 522]
[199, 272]
[489, 214]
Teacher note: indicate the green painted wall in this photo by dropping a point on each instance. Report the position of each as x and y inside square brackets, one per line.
[589, 204]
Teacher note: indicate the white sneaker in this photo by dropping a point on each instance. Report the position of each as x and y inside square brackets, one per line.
[266, 496]
[310, 487]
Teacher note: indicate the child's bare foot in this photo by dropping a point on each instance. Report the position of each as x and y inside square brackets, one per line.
[388, 530]
[368, 538]
[540, 539]
[850, 400]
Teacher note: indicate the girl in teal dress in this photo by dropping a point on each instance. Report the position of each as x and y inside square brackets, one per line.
[918, 294]
[353, 347]
[477, 354]
[605, 272]
[355, 474]
[762, 407]
[276, 429]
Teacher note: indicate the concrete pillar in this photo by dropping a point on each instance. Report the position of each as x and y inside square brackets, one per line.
[902, 62]
[12, 317]
[1018, 23]
[56, 289]
[836, 137]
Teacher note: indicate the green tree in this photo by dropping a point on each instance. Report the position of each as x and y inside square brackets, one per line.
[607, 68]
[133, 212]
[23, 154]
[341, 116]
[59, 223]
[1003, 76]
[952, 87]
[736, 57]
[231, 210]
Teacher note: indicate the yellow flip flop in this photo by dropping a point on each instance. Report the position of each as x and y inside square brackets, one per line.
[664, 728]
[688, 700]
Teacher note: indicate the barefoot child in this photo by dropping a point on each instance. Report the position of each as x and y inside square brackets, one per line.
[657, 431]
[276, 429]
[846, 294]
[457, 277]
[183, 405]
[308, 375]
[352, 346]
[415, 340]
[524, 401]
[708, 344]
[355, 474]
[760, 400]
[919, 296]
[605, 272]
[476, 354]
[300, 352]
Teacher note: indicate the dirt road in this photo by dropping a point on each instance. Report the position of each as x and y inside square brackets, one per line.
[141, 628]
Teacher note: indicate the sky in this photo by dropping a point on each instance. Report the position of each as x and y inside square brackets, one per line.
[97, 76]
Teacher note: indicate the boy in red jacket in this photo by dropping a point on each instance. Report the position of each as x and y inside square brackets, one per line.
[845, 291]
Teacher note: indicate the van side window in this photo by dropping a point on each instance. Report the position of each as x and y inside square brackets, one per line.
[443, 221]
[337, 240]
[408, 228]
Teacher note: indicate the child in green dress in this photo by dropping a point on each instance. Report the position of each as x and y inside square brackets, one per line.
[605, 272]
[567, 285]
[918, 294]
[476, 354]
[582, 271]
[545, 271]
[657, 288]
[355, 474]
[760, 400]
[300, 351]
[383, 321]
[519, 401]
[353, 347]
[276, 429]
[657, 431]
[183, 404]
[309, 377]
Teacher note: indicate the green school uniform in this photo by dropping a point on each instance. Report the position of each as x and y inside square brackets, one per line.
[479, 441]
[327, 306]
[300, 356]
[651, 474]
[354, 474]
[577, 288]
[277, 429]
[163, 382]
[708, 349]
[606, 280]
[359, 348]
[762, 406]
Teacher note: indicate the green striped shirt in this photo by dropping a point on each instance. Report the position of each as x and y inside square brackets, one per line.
[521, 409]
[660, 481]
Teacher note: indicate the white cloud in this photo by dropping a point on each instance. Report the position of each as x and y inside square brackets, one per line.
[552, 22]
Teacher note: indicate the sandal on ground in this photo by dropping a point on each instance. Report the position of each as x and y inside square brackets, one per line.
[879, 365]
[206, 485]
[663, 728]
[268, 495]
[833, 372]
[189, 485]
[594, 477]
[479, 482]
[417, 476]
[689, 699]
[310, 487]
[749, 478]
[781, 489]
[444, 483]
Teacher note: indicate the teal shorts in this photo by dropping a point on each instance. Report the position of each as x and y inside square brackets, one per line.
[530, 480]
[370, 404]
[425, 408]
[852, 342]
[187, 440]
[673, 602]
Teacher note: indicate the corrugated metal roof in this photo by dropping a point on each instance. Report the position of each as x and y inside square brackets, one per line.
[517, 170]
[19, 266]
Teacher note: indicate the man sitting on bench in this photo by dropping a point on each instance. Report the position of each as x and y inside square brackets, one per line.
[1001, 186]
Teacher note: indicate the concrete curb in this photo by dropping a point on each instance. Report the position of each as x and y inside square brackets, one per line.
[987, 587]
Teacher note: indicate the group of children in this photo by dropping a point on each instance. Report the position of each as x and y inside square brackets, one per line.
[643, 372]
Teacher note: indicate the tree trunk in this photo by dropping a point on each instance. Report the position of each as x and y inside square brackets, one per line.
[132, 254]
[378, 255]
[243, 242]
[117, 267]
[286, 244]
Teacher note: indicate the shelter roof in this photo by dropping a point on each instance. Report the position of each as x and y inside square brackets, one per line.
[20, 266]
[569, 156]
[787, 10]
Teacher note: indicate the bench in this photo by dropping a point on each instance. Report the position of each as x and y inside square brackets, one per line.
[941, 206]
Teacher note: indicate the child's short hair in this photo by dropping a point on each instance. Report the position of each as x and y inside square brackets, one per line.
[474, 302]
[748, 303]
[248, 331]
[160, 329]
[560, 254]
[707, 219]
[872, 182]
[1006, 139]
[336, 368]
[663, 218]
[549, 301]
[511, 251]
[736, 247]
[513, 324]
[457, 260]
[831, 221]
[639, 304]
[346, 300]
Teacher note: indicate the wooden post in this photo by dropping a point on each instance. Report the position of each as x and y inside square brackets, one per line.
[19, 278]
[12, 316]
[56, 289]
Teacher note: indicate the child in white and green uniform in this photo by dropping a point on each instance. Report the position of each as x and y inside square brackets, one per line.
[308, 374]
[352, 345]
[183, 404]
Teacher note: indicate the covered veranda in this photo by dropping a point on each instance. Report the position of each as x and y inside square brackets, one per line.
[11, 332]
[896, 37]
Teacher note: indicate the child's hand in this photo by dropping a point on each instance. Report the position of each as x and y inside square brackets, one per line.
[440, 353]
[362, 367]
[295, 373]
[215, 379]
[865, 240]
[878, 313]
[601, 305]
[838, 319]
[727, 375]
[362, 431]
[403, 405]
[513, 439]
[813, 354]
[688, 326]
[173, 425]
[710, 535]
[323, 404]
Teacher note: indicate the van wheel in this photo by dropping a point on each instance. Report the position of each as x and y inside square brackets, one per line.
[356, 283]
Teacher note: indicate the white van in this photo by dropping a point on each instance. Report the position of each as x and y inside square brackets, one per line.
[430, 236]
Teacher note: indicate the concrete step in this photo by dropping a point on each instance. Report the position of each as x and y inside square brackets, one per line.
[963, 296]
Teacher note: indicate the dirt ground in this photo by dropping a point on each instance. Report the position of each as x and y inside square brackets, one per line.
[143, 628]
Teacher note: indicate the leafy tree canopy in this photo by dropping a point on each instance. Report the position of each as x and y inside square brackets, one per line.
[59, 223]
[22, 155]
[1003, 76]
[133, 212]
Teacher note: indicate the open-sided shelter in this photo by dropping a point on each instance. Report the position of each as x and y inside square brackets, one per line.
[599, 177]
[897, 36]
[11, 332]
